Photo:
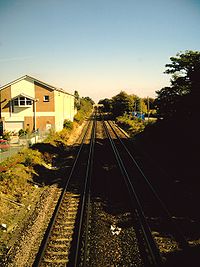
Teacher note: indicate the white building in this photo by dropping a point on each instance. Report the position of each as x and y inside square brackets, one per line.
[28, 103]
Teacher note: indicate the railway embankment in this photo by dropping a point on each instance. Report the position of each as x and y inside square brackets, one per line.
[30, 183]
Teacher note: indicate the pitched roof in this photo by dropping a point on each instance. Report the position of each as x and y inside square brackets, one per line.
[24, 95]
[35, 80]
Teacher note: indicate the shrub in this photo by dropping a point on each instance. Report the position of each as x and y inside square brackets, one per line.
[68, 124]
[22, 132]
[132, 125]
[6, 136]
[31, 157]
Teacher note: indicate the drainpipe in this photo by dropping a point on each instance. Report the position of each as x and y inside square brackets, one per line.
[34, 107]
[35, 128]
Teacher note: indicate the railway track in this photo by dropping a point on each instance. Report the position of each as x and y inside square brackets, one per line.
[99, 219]
[60, 245]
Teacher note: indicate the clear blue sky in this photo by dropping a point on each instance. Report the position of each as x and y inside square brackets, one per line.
[96, 47]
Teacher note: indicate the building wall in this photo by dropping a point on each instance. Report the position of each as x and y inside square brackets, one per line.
[10, 112]
[48, 114]
[28, 123]
[64, 109]
[25, 86]
[41, 105]
[44, 123]
[5, 99]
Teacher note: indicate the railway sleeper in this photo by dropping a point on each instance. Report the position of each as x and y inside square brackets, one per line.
[66, 216]
[62, 232]
[66, 225]
[56, 261]
[62, 246]
[61, 239]
[57, 253]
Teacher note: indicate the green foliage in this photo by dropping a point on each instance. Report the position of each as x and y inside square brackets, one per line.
[77, 100]
[88, 99]
[22, 132]
[85, 110]
[107, 104]
[14, 182]
[31, 157]
[121, 103]
[6, 136]
[79, 117]
[58, 138]
[68, 124]
[180, 99]
[132, 125]
[17, 171]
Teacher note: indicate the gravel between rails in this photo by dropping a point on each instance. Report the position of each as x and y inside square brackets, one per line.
[109, 248]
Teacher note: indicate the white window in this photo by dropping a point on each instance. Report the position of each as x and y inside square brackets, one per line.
[22, 101]
[46, 98]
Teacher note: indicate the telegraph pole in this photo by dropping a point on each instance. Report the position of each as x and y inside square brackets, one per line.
[148, 107]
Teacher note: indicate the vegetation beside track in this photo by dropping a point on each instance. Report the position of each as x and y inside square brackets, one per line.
[173, 140]
[26, 175]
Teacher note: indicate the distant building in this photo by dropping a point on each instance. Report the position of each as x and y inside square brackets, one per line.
[28, 103]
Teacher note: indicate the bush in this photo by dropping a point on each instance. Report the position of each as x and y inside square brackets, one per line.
[31, 157]
[132, 125]
[68, 124]
[6, 136]
[22, 132]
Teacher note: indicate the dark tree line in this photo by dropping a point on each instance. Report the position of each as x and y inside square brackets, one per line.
[180, 100]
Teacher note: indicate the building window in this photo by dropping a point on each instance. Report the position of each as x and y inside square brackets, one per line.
[28, 102]
[46, 98]
[22, 101]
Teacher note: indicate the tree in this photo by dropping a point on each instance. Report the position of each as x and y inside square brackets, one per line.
[87, 98]
[107, 103]
[77, 100]
[181, 98]
[149, 101]
[121, 103]
[185, 68]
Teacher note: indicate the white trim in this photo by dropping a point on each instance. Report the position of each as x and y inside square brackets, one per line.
[35, 80]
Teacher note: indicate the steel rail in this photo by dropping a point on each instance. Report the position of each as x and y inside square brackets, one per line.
[177, 233]
[89, 191]
[45, 240]
[85, 204]
[150, 242]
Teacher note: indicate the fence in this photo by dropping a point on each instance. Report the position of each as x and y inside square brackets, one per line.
[17, 143]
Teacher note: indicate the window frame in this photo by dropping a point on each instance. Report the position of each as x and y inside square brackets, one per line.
[22, 101]
[46, 100]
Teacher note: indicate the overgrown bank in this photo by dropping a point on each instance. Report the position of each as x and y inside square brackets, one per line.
[30, 173]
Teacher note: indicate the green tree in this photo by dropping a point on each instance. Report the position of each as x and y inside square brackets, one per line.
[87, 98]
[107, 104]
[77, 100]
[185, 68]
[85, 109]
[121, 103]
[181, 98]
